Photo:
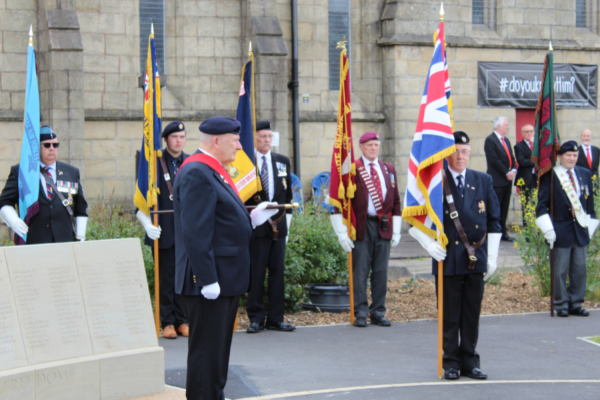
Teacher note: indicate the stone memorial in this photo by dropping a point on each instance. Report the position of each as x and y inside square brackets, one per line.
[76, 322]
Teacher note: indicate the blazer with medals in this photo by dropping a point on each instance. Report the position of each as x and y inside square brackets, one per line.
[479, 214]
[582, 159]
[282, 183]
[525, 170]
[165, 221]
[566, 226]
[213, 231]
[391, 203]
[53, 220]
[498, 163]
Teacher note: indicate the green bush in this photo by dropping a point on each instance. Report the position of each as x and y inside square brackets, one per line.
[114, 219]
[593, 259]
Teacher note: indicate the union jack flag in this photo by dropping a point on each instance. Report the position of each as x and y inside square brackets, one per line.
[433, 141]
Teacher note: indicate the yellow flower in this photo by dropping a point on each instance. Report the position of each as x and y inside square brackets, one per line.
[594, 177]
[521, 182]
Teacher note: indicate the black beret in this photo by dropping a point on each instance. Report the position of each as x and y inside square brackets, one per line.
[260, 125]
[46, 133]
[461, 138]
[571, 145]
[173, 127]
[220, 126]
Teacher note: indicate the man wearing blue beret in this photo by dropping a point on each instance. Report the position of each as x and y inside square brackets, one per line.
[172, 315]
[574, 223]
[62, 215]
[213, 231]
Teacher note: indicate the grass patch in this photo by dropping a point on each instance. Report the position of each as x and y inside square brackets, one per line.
[595, 339]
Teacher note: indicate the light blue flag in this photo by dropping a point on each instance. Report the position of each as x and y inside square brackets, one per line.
[29, 165]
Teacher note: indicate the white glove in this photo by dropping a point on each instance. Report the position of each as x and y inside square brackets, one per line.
[545, 225]
[211, 291]
[11, 218]
[80, 225]
[397, 226]
[341, 230]
[592, 226]
[260, 215]
[493, 248]
[432, 246]
[288, 220]
[152, 231]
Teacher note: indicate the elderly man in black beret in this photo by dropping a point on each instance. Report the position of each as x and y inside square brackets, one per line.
[62, 215]
[172, 315]
[213, 231]
[569, 234]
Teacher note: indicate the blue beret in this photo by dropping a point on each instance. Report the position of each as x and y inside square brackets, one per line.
[571, 145]
[220, 126]
[173, 127]
[461, 138]
[260, 125]
[46, 133]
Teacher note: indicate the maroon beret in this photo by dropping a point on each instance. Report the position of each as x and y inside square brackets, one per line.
[368, 136]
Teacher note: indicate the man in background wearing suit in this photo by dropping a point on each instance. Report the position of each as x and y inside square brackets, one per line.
[526, 178]
[502, 166]
[589, 156]
[268, 243]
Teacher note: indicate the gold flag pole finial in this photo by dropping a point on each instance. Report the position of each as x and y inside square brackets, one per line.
[550, 47]
[250, 48]
[30, 35]
[341, 44]
[442, 12]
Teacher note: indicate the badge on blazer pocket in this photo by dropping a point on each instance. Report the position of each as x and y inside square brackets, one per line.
[67, 187]
[281, 169]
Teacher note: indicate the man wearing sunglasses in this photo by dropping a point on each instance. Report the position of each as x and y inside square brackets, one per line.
[62, 213]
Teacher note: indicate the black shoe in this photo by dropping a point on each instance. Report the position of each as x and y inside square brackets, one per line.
[360, 322]
[451, 374]
[580, 312]
[280, 326]
[381, 321]
[507, 238]
[476, 373]
[562, 313]
[255, 327]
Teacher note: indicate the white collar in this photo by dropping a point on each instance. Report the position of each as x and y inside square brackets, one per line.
[51, 166]
[267, 155]
[563, 169]
[585, 146]
[500, 137]
[367, 162]
[208, 154]
[455, 174]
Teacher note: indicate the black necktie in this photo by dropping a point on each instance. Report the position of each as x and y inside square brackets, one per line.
[460, 187]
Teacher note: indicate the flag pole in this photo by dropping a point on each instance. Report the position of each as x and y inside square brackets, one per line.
[251, 54]
[350, 271]
[156, 263]
[552, 194]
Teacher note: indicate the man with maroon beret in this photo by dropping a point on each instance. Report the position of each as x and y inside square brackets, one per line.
[376, 206]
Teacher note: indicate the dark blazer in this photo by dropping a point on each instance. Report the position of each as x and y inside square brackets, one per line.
[52, 223]
[565, 224]
[212, 232]
[497, 159]
[478, 211]
[165, 221]
[282, 194]
[582, 159]
[525, 170]
[391, 203]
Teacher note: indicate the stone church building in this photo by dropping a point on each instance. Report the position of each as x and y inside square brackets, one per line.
[91, 53]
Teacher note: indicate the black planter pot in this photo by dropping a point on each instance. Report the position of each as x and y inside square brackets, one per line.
[328, 297]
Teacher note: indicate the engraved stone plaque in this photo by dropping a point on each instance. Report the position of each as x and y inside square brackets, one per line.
[12, 352]
[115, 293]
[48, 302]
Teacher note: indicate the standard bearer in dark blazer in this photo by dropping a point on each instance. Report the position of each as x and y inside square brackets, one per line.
[213, 231]
[502, 167]
[526, 178]
[172, 315]
[62, 215]
[589, 156]
[268, 243]
[569, 232]
[469, 259]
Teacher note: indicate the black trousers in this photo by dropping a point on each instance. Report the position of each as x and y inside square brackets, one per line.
[462, 306]
[171, 307]
[503, 193]
[211, 329]
[267, 254]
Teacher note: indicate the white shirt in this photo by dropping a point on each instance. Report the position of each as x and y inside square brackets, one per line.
[269, 162]
[563, 169]
[585, 151]
[456, 174]
[501, 138]
[52, 171]
[371, 208]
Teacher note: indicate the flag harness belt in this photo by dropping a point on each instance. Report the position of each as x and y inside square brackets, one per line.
[167, 176]
[377, 200]
[64, 201]
[461, 232]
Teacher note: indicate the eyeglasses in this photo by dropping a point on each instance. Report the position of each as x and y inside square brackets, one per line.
[463, 152]
[47, 145]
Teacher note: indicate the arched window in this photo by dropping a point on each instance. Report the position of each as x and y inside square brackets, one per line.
[339, 26]
[152, 12]
[484, 13]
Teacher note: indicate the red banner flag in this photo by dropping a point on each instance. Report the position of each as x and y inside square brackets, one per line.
[343, 169]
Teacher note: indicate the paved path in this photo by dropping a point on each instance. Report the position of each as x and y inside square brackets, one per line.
[528, 356]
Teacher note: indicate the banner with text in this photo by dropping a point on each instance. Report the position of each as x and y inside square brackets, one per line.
[518, 85]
